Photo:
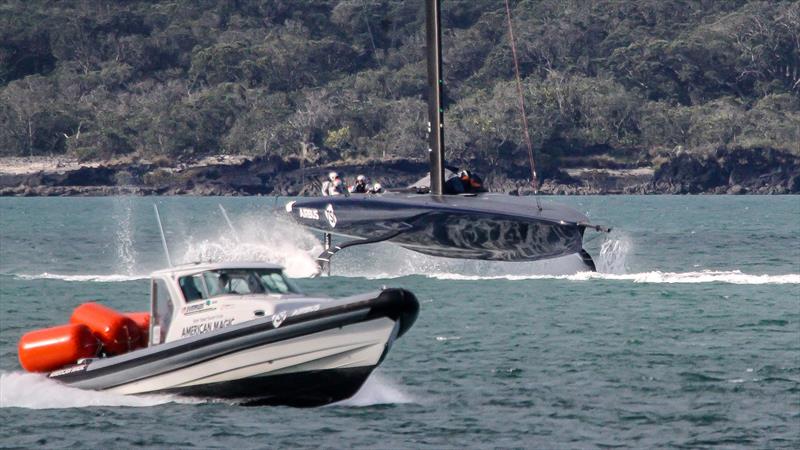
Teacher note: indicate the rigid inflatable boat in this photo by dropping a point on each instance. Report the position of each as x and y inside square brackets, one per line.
[239, 331]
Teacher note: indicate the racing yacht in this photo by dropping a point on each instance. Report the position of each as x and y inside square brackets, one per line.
[425, 218]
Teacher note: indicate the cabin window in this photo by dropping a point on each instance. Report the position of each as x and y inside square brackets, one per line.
[244, 282]
[276, 282]
[193, 288]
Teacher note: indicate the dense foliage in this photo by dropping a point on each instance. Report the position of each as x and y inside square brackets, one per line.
[324, 80]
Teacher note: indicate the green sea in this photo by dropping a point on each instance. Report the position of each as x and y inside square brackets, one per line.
[689, 336]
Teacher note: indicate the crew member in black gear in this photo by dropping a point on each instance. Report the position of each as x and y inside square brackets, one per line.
[361, 185]
[463, 183]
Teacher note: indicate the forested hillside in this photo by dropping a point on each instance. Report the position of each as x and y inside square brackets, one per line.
[345, 79]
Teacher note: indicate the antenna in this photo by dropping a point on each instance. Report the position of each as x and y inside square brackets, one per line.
[163, 238]
[230, 224]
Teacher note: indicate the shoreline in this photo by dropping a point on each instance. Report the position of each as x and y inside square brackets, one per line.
[734, 172]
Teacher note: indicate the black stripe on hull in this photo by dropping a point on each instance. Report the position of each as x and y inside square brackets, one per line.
[303, 389]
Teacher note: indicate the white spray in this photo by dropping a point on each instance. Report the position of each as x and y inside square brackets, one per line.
[614, 253]
[259, 237]
[126, 252]
[36, 391]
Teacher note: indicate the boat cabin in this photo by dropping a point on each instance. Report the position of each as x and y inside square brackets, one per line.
[199, 298]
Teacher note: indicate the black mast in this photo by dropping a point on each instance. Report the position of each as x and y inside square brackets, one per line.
[435, 84]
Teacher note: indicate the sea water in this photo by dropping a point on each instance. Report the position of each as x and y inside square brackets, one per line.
[689, 336]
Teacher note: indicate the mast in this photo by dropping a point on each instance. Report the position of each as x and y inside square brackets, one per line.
[435, 84]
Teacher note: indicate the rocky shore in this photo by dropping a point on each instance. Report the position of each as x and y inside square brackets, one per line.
[723, 171]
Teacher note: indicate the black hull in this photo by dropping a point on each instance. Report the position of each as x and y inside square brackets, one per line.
[490, 238]
[485, 227]
[305, 389]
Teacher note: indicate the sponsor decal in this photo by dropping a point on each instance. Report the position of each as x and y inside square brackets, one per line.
[58, 373]
[308, 213]
[208, 305]
[205, 327]
[207, 319]
[277, 319]
[329, 214]
[304, 310]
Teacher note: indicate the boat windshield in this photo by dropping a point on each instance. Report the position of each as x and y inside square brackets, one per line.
[214, 283]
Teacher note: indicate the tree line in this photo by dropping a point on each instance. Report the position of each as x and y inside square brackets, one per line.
[345, 79]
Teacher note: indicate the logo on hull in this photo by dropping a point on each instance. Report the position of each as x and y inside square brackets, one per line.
[308, 213]
[329, 214]
[277, 319]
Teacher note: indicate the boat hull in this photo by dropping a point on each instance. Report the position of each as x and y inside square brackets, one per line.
[309, 359]
[486, 226]
[303, 389]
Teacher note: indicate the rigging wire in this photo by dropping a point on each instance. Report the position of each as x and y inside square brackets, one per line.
[534, 181]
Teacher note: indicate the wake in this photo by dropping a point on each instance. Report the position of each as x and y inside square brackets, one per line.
[113, 278]
[36, 391]
[653, 277]
[268, 237]
[656, 277]
[377, 390]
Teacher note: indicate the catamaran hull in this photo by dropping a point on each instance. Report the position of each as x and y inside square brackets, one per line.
[486, 227]
[323, 358]
[487, 237]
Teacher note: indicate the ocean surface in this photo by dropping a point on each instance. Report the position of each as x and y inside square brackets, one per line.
[688, 337]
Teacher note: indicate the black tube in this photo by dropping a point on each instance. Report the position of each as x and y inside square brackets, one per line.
[435, 86]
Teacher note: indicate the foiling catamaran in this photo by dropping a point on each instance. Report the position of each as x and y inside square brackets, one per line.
[425, 219]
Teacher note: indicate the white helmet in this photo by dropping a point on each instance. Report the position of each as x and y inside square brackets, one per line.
[333, 175]
[377, 187]
[361, 178]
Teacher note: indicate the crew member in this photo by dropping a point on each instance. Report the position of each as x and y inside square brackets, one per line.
[333, 185]
[463, 182]
[361, 185]
[376, 189]
[472, 182]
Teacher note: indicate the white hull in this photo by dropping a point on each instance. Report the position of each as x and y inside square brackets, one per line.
[358, 345]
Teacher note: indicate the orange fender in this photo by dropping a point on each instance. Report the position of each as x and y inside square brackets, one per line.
[117, 332]
[52, 348]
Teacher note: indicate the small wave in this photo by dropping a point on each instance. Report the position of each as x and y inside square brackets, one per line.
[657, 277]
[35, 391]
[377, 391]
[113, 278]
[699, 377]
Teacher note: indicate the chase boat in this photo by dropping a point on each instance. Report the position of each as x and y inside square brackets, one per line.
[239, 331]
